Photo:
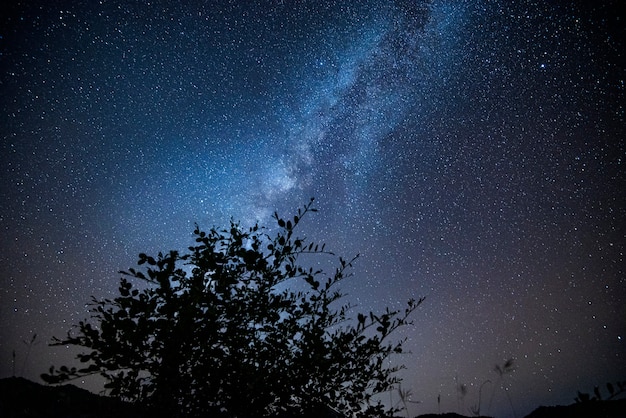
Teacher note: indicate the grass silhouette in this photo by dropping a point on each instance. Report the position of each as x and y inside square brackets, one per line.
[507, 368]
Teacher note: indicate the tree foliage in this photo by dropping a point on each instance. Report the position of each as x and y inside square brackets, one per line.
[223, 331]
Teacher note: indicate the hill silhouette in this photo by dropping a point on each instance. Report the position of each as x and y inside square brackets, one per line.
[596, 409]
[22, 398]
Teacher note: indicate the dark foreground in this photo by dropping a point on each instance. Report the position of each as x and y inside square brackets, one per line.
[21, 398]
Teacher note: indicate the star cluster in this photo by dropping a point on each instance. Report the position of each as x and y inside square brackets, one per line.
[471, 151]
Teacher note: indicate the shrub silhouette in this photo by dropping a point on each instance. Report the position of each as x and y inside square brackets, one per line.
[223, 331]
[597, 396]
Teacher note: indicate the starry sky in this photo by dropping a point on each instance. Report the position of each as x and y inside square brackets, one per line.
[471, 151]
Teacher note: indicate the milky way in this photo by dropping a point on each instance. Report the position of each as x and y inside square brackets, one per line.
[470, 151]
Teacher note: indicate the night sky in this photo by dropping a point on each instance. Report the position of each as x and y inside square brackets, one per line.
[470, 151]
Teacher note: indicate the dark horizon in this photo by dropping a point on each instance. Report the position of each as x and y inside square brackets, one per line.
[471, 151]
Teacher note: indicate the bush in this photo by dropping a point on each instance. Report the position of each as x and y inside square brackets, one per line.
[223, 331]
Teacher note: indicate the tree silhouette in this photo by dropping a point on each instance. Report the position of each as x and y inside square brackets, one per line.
[238, 327]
